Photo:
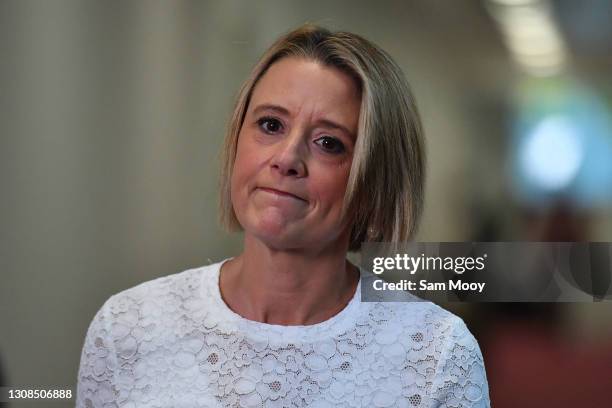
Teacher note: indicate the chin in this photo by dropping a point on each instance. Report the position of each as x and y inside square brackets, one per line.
[281, 234]
[276, 237]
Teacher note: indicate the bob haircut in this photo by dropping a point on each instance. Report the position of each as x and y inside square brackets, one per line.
[384, 194]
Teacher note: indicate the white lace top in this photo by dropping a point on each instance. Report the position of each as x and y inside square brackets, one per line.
[173, 342]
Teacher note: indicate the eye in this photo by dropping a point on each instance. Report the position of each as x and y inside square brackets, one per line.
[330, 144]
[269, 125]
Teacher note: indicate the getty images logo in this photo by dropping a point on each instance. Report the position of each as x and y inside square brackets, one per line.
[412, 264]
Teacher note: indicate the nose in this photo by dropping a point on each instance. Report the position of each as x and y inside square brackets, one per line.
[289, 157]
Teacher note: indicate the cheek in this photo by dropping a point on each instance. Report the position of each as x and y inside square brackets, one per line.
[239, 176]
[242, 164]
[247, 165]
[332, 189]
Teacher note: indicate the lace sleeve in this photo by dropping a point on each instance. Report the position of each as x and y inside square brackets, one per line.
[96, 380]
[460, 375]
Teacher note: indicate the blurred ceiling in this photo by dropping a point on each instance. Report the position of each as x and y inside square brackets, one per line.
[585, 27]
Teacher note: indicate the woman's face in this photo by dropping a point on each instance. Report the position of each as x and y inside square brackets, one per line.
[294, 154]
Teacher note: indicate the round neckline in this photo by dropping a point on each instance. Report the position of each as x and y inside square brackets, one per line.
[337, 323]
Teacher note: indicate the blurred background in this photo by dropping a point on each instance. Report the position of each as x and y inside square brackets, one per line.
[112, 115]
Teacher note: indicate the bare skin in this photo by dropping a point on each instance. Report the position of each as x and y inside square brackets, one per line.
[293, 160]
[287, 289]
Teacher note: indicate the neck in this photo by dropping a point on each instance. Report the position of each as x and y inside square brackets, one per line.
[288, 287]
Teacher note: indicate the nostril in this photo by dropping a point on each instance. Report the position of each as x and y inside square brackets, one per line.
[288, 165]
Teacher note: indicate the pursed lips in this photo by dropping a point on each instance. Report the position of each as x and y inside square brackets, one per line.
[280, 193]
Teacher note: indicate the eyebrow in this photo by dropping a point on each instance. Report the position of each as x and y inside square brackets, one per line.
[283, 111]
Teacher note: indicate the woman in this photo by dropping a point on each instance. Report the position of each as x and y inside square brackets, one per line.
[324, 151]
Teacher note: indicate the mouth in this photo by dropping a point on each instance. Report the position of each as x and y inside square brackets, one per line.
[280, 193]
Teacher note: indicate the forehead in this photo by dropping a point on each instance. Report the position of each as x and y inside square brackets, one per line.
[306, 86]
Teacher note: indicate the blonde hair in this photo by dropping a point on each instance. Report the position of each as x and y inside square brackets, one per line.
[384, 194]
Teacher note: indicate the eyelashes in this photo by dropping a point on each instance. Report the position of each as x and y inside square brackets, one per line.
[328, 144]
[331, 144]
[269, 125]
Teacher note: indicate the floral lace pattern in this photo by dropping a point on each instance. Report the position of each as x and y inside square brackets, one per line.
[173, 342]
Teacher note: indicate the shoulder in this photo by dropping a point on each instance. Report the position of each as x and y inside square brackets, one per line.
[434, 349]
[170, 304]
[440, 347]
[136, 326]
[170, 292]
[421, 325]
[406, 311]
